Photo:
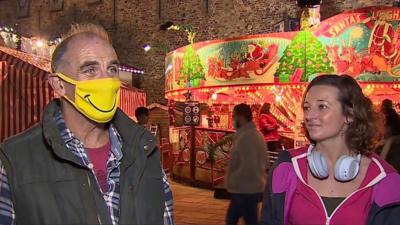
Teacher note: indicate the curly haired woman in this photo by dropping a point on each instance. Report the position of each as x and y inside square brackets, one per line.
[337, 179]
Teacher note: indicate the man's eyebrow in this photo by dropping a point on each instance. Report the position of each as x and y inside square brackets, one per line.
[114, 62]
[88, 63]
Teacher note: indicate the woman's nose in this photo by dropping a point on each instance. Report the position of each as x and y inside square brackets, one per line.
[310, 115]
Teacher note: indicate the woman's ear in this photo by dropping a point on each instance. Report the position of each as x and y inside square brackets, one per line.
[349, 116]
[57, 85]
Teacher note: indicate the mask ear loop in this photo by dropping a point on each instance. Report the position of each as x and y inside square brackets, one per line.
[66, 79]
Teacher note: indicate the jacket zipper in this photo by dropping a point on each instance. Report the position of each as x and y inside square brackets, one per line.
[329, 218]
[90, 187]
[136, 139]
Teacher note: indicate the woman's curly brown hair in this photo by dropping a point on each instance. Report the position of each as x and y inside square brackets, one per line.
[366, 129]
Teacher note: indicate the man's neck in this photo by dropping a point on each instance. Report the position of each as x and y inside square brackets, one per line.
[245, 125]
[91, 134]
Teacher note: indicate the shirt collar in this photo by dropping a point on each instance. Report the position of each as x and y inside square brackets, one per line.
[68, 136]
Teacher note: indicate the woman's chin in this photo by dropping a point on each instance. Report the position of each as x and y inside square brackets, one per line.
[317, 138]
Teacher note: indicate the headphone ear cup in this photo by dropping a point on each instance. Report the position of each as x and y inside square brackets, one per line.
[346, 168]
[318, 164]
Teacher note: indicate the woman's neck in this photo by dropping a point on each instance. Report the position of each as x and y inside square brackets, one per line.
[333, 149]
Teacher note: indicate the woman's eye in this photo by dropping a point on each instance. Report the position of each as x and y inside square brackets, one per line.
[322, 106]
[306, 108]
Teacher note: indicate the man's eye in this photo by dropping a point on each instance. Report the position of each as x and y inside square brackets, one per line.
[90, 70]
[113, 70]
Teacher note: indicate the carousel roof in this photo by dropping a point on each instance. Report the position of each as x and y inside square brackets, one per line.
[267, 67]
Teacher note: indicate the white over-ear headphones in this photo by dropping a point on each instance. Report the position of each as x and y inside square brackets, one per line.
[346, 167]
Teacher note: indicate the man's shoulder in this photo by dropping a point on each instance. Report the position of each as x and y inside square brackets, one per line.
[24, 138]
[249, 134]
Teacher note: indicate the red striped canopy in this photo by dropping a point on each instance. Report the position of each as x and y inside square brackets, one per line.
[131, 99]
[24, 92]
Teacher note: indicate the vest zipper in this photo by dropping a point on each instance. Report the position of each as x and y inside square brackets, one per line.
[90, 187]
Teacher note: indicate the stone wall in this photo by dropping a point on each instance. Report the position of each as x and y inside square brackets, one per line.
[133, 23]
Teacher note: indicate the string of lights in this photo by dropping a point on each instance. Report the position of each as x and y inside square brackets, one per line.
[41, 47]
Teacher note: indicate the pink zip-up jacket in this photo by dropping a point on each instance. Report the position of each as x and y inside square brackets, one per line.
[288, 199]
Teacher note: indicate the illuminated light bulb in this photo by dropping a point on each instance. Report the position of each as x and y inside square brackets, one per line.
[146, 47]
[278, 98]
[39, 43]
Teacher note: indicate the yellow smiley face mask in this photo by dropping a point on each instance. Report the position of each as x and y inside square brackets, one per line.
[96, 99]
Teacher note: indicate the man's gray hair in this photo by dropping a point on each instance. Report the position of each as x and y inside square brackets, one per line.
[76, 30]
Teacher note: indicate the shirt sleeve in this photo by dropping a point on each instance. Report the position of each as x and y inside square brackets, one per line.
[169, 202]
[7, 212]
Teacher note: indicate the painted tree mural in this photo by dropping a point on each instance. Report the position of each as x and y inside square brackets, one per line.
[192, 70]
[305, 57]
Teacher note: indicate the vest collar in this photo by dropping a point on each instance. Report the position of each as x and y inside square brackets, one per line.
[130, 132]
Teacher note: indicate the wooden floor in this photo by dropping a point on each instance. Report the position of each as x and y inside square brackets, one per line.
[196, 206]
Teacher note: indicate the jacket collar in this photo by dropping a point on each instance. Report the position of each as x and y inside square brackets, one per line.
[248, 126]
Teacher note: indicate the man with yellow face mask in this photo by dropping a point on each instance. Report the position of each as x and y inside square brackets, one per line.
[86, 162]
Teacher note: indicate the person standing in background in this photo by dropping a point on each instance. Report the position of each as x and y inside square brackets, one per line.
[246, 175]
[392, 124]
[269, 128]
[390, 149]
[142, 115]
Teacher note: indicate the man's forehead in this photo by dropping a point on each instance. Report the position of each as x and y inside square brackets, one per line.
[90, 47]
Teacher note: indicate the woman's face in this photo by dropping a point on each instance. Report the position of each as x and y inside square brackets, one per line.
[323, 114]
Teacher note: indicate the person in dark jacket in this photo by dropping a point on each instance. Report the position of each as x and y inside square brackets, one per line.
[390, 150]
[337, 179]
[392, 119]
[86, 162]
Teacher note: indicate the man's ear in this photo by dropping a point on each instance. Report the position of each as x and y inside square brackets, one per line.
[57, 85]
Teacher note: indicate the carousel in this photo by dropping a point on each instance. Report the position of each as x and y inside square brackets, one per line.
[274, 68]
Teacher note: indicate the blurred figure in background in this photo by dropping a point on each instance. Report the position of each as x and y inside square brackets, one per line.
[392, 124]
[269, 128]
[142, 115]
[246, 175]
[391, 144]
